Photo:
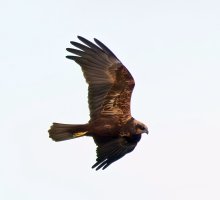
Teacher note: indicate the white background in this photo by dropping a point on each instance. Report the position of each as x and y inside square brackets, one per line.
[172, 49]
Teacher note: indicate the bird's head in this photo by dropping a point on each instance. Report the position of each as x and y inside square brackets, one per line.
[140, 127]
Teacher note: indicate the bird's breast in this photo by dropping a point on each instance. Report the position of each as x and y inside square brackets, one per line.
[104, 128]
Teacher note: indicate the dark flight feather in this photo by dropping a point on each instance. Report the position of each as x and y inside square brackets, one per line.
[105, 48]
[112, 151]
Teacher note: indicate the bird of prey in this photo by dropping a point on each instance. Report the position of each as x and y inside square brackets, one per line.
[110, 86]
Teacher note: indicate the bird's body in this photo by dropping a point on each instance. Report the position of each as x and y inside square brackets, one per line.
[111, 125]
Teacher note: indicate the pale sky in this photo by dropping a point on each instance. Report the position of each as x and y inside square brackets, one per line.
[172, 50]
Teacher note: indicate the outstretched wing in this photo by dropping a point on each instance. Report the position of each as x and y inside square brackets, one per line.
[109, 152]
[110, 83]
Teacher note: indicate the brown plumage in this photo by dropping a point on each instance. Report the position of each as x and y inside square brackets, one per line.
[111, 125]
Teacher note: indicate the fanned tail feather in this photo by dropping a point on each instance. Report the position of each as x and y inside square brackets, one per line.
[59, 132]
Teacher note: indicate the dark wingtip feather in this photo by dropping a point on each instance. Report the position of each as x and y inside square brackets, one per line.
[80, 37]
[70, 57]
[75, 51]
[74, 43]
[100, 164]
[90, 44]
[68, 49]
[105, 48]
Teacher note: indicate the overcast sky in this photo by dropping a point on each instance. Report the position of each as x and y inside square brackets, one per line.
[172, 50]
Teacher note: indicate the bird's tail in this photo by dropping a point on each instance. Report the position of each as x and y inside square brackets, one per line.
[59, 132]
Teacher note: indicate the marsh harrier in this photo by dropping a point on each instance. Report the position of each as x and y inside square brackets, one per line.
[110, 86]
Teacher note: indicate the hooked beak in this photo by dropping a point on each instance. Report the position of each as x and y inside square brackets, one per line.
[146, 130]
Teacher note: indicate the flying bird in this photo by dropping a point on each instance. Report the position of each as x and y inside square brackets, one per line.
[110, 86]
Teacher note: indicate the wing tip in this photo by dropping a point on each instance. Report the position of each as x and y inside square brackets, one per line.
[70, 57]
[68, 49]
[79, 37]
[100, 165]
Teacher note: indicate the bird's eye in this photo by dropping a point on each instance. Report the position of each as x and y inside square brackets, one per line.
[140, 127]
